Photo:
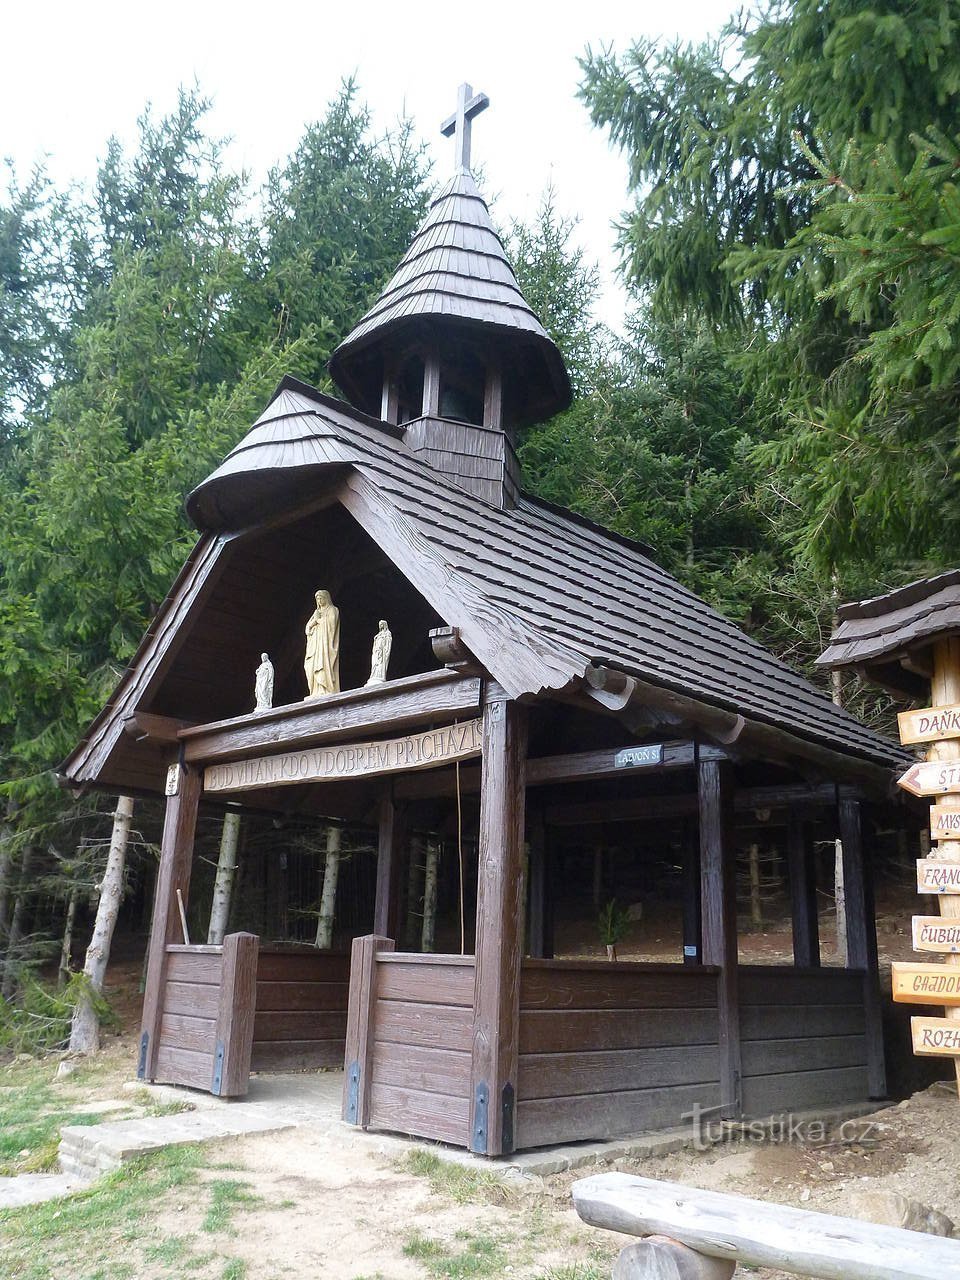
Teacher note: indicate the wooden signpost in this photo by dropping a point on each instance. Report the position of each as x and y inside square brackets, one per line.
[938, 775]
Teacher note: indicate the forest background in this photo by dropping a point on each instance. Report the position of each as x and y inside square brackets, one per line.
[780, 425]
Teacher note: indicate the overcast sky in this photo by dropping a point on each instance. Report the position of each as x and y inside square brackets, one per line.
[75, 73]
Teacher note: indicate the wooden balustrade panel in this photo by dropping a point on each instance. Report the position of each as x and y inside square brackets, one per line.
[300, 1021]
[611, 1049]
[803, 1038]
[420, 1055]
[189, 1016]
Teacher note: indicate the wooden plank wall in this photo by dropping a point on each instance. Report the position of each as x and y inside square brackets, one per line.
[612, 1049]
[803, 1038]
[301, 1011]
[419, 1060]
[188, 1021]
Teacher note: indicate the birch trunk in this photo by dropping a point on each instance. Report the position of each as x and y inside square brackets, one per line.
[6, 882]
[63, 973]
[756, 906]
[328, 898]
[85, 1031]
[412, 929]
[11, 964]
[431, 866]
[226, 874]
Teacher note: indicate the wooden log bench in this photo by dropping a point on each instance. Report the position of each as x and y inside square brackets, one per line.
[702, 1235]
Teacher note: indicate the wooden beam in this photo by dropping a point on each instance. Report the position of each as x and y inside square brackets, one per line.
[233, 1036]
[433, 695]
[718, 906]
[862, 939]
[173, 873]
[657, 808]
[165, 729]
[361, 1007]
[803, 893]
[496, 1025]
[610, 763]
[760, 1234]
[386, 911]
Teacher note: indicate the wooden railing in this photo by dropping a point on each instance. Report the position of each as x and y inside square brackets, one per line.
[607, 1050]
[702, 1235]
[803, 1038]
[206, 1021]
[409, 1032]
[301, 1009]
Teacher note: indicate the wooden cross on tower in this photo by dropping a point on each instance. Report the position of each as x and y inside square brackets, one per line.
[469, 104]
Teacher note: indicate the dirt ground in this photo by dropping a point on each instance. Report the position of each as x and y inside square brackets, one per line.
[322, 1204]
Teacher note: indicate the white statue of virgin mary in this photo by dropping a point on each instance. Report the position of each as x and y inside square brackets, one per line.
[321, 663]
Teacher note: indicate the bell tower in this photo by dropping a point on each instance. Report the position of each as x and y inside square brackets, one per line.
[450, 350]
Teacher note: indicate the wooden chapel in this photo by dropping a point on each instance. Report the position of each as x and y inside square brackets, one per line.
[546, 674]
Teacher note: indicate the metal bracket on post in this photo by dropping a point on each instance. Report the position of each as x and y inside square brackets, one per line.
[217, 1082]
[478, 1138]
[506, 1112]
[142, 1060]
[353, 1093]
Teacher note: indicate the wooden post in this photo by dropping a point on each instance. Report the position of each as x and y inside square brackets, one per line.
[496, 1013]
[386, 911]
[803, 894]
[862, 939]
[692, 929]
[361, 1006]
[233, 1040]
[945, 691]
[718, 905]
[173, 873]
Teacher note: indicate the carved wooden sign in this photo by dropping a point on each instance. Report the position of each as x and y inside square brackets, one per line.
[944, 823]
[935, 933]
[353, 760]
[935, 1037]
[925, 983]
[932, 724]
[938, 876]
[931, 778]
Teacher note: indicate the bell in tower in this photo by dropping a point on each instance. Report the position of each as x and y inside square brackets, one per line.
[451, 351]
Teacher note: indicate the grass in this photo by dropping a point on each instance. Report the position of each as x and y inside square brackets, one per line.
[227, 1195]
[32, 1111]
[456, 1182]
[95, 1225]
[472, 1255]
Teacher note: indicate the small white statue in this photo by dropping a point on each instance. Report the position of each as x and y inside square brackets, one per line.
[263, 687]
[321, 663]
[382, 644]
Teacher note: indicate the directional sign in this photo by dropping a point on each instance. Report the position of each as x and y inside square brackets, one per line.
[932, 724]
[933, 933]
[936, 1037]
[925, 983]
[938, 876]
[932, 778]
[944, 823]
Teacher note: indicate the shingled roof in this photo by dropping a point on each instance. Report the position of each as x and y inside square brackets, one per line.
[455, 272]
[875, 636]
[539, 594]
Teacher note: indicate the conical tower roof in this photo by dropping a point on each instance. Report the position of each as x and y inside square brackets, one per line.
[455, 277]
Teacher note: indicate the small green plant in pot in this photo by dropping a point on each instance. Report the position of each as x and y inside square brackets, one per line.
[613, 923]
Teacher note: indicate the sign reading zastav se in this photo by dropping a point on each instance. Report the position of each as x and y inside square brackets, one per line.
[349, 760]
